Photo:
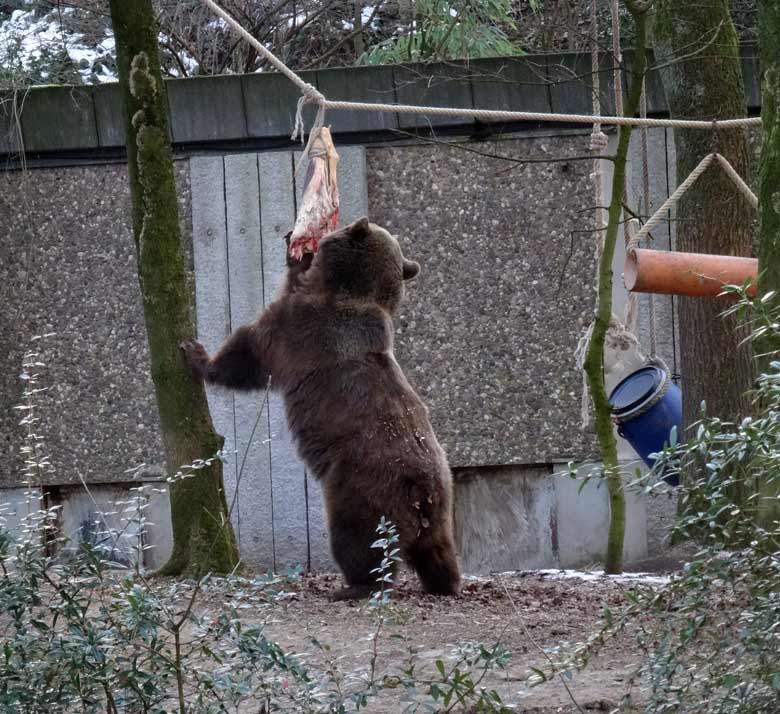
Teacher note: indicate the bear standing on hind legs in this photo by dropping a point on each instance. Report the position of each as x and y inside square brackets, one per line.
[327, 344]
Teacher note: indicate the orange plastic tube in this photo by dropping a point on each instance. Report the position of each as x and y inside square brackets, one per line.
[692, 274]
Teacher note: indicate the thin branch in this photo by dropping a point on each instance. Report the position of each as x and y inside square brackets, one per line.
[501, 157]
[168, 46]
[344, 40]
[689, 55]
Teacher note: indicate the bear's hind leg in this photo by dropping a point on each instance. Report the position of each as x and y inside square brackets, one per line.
[434, 559]
[350, 543]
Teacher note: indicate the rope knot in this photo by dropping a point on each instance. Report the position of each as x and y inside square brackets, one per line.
[310, 95]
[599, 142]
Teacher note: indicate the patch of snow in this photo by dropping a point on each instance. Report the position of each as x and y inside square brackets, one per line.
[592, 576]
[297, 20]
[27, 38]
[217, 24]
[365, 16]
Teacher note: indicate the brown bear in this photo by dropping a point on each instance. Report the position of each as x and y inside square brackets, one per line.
[327, 344]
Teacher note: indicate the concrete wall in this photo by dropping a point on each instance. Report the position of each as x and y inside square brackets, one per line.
[487, 333]
[127, 522]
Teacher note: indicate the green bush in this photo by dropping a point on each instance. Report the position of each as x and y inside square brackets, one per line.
[710, 639]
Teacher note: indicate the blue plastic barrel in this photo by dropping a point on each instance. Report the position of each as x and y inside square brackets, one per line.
[646, 405]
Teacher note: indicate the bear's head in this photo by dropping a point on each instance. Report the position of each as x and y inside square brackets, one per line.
[363, 261]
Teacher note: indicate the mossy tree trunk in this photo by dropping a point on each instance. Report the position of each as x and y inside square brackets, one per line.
[769, 200]
[594, 360]
[769, 181]
[697, 44]
[202, 533]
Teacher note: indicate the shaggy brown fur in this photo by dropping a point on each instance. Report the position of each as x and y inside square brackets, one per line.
[327, 344]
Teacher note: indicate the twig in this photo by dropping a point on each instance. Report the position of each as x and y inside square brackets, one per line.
[689, 55]
[489, 155]
[360, 30]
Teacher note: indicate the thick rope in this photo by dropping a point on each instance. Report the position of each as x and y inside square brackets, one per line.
[314, 95]
[489, 114]
[599, 143]
[704, 164]
[669, 203]
[744, 189]
[643, 135]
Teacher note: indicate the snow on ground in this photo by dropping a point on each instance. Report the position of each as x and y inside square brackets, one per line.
[27, 39]
[592, 576]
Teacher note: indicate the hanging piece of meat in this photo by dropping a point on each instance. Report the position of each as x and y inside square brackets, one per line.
[318, 213]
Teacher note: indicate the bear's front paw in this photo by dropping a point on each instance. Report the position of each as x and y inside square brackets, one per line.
[195, 356]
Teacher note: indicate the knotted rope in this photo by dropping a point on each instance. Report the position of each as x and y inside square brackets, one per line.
[670, 202]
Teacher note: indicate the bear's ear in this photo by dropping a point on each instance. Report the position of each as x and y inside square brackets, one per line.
[359, 229]
[411, 268]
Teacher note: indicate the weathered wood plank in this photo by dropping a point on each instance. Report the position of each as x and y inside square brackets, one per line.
[751, 72]
[251, 475]
[654, 87]
[277, 203]
[209, 244]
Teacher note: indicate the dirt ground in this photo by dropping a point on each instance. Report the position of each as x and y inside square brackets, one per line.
[525, 611]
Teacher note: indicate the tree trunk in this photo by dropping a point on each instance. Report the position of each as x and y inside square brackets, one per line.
[594, 359]
[702, 79]
[769, 181]
[769, 204]
[202, 533]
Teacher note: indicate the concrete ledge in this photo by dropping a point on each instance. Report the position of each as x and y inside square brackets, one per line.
[505, 519]
[109, 115]
[527, 517]
[582, 516]
[373, 84]
[270, 101]
[204, 110]
[9, 142]
[433, 86]
[110, 515]
[16, 506]
[262, 105]
[59, 119]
